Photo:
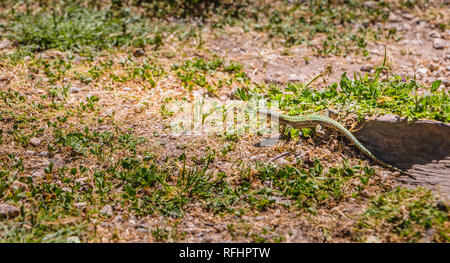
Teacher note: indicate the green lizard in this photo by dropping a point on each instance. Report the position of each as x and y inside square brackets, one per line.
[313, 120]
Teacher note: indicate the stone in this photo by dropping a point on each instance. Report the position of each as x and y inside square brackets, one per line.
[446, 82]
[433, 67]
[434, 34]
[107, 210]
[35, 141]
[44, 153]
[373, 239]
[73, 239]
[267, 142]
[370, 4]
[5, 43]
[74, 90]
[428, 238]
[37, 174]
[139, 52]
[367, 68]
[8, 211]
[394, 18]
[175, 136]
[422, 70]
[408, 16]
[447, 68]
[30, 152]
[80, 205]
[296, 78]
[439, 43]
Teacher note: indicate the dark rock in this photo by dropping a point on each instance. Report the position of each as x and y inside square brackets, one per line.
[367, 68]
[139, 52]
[8, 211]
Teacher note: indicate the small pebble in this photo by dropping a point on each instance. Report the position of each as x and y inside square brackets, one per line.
[44, 153]
[30, 152]
[74, 90]
[367, 68]
[139, 52]
[175, 136]
[8, 211]
[438, 43]
[433, 67]
[80, 205]
[5, 43]
[394, 18]
[373, 239]
[422, 70]
[434, 34]
[408, 16]
[107, 210]
[37, 174]
[446, 82]
[35, 141]
[73, 239]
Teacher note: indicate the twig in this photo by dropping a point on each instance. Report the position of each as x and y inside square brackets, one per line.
[278, 156]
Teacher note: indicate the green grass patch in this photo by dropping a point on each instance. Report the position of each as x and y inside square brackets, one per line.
[363, 95]
[406, 215]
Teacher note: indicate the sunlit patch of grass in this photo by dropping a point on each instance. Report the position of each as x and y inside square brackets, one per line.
[363, 95]
[406, 215]
[74, 27]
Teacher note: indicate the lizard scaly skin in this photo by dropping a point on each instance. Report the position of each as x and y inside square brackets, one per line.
[311, 121]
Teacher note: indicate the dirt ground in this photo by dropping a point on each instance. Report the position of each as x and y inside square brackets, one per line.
[421, 51]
